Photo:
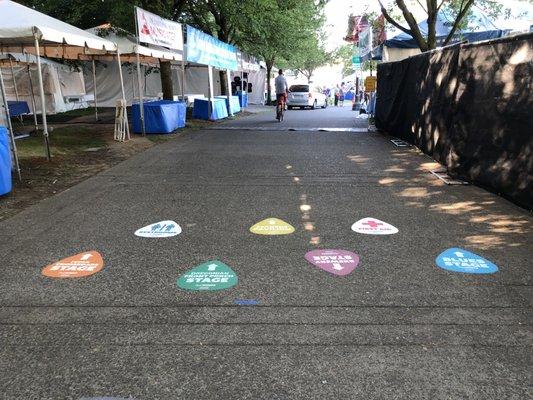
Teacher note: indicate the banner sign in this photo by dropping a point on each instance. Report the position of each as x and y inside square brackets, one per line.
[207, 50]
[159, 31]
[365, 41]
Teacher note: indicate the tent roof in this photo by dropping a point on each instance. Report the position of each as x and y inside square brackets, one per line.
[480, 28]
[128, 47]
[19, 25]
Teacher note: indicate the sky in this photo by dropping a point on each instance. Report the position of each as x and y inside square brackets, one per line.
[337, 12]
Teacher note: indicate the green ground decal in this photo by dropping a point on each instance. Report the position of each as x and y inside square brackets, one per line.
[212, 275]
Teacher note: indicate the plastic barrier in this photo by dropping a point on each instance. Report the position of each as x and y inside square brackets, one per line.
[235, 103]
[161, 116]
[17, 108]
[201, 109]
[5, 162]
[243, 98]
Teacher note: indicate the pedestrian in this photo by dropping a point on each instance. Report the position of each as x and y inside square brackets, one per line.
[336, 90]
[341, 95]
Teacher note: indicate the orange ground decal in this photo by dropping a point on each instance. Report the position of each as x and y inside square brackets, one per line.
[78, 266]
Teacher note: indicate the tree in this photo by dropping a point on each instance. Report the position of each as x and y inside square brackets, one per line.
[343, 55]
[312, 56]
[459, 10]
[279, 31]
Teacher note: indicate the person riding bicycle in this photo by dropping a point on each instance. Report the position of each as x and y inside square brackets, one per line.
[282, 89]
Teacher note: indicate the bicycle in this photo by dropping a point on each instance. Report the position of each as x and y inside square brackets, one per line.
[280, 108]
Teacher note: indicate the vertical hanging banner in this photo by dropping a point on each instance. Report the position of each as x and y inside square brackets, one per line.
[207, 50]
[159, 31]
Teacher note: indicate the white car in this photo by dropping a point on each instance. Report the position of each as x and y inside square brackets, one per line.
[304, 96]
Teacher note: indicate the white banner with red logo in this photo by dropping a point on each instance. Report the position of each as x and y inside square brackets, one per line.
[159, 31]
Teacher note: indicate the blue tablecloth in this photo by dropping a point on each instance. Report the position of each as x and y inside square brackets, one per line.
[17, 108]
[235, 103]
[243, 98]
[5, 162]
[201, 107]
[161, 116]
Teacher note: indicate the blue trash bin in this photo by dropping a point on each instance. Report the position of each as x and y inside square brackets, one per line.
[5, 162]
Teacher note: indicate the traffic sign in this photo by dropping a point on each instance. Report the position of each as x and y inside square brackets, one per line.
[371, 83]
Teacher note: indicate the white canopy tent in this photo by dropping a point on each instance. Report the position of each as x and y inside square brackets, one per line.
[132, 51]
[24, 30]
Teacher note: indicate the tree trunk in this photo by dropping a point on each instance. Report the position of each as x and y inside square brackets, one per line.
[269, 87]
[432, 21]
[166, 80]
[223, 84]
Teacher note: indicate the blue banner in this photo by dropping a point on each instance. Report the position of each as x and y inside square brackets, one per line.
[207, 50]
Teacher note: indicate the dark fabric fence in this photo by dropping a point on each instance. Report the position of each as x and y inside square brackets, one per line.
[470, 107]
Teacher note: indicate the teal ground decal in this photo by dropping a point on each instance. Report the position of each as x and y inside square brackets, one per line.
[212, 275]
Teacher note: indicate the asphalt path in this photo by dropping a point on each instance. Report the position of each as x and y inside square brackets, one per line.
[396, 327]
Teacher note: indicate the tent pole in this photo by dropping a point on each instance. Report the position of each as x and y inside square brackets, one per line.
[123, 95]
[228, 83]
[33, 103]
[8, 118]
[183, 79]
[43, 101]
[94, 91]
[14, 79]
[183, 58]
[141, 105]
[210, 99]
[139, 82]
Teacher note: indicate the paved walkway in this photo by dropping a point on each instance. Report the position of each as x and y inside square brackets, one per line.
[396, 327]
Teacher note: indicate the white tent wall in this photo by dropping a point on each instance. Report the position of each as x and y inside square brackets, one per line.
[197, 80]
[64, 87]
[391, 54]
[258, 81]
[108, 82]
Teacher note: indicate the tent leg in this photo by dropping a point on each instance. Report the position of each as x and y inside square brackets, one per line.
[141, 105]
[10, 127]
[183, 79]
[33, 103]
[95, 92]
[123, 97]
[228, 83]
[211, 94]
[43, 101]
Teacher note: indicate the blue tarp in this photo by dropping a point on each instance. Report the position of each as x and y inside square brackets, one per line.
[17, 108]
[5, 162]
[243, 98]
[162, 116]
[201, 108]
[235, 103]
